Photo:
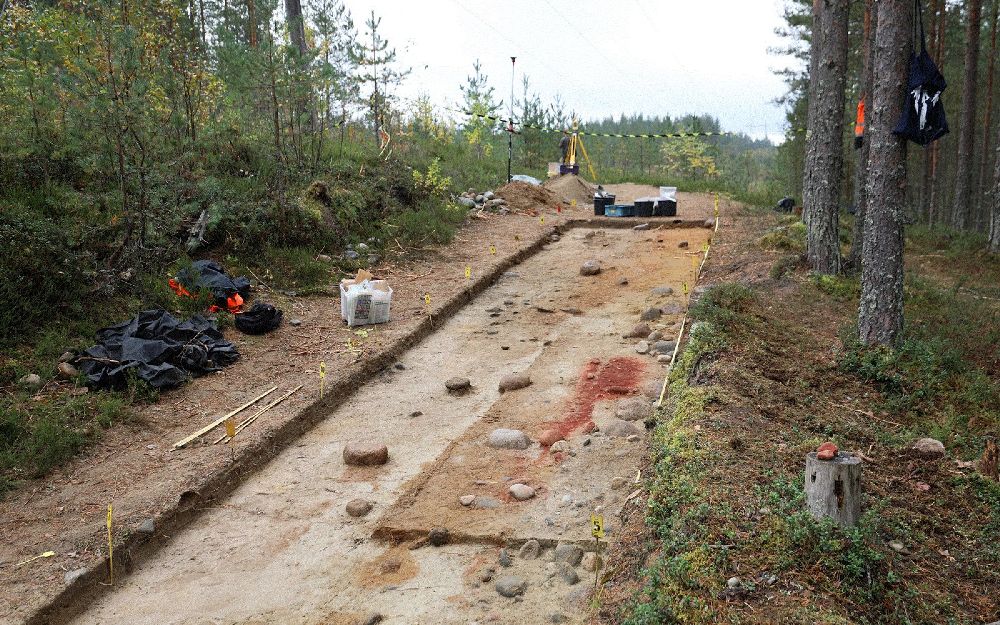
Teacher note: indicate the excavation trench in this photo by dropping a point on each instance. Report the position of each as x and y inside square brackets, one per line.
[281, 548]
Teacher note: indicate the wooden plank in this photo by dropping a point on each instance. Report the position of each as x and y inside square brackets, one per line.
[214, 424]
[242, 426]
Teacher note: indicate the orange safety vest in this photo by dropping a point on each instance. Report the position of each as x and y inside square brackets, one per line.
[859, 120]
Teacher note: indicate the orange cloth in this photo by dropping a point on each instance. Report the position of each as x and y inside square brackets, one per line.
[859, 120]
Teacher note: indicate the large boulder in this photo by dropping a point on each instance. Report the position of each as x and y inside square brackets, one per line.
[928, 448]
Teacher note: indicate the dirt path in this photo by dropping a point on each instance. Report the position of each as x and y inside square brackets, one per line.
[133, 468]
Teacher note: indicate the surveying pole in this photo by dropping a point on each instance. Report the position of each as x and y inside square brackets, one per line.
[510, 120]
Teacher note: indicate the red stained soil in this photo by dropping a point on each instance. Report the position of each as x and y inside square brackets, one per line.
[620, 376]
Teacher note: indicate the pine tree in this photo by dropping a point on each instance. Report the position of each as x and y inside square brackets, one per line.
[479, 103]
[995, 212]
[378, 70]
[962, 201]
[861, 173]
[880, 314]
[824, 163]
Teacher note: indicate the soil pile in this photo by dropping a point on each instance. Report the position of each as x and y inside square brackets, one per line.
[571, 188]
[527, 198]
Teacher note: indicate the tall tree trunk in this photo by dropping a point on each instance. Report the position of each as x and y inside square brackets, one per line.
[934, 213]
[880, 314]
[825, 142]
[961, 205]
[927, 155]
[815, 45]
[861, 172]
[252, 23]
[984, 183]
[296, 26]
[995, 213]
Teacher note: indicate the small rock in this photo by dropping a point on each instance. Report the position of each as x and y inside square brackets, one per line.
[503, 438]
[663, 358]
[295, 322]
[638, 331]
[633, 409]
[438, 536]
[568, 573]
[514, 381]
[664, 347]
[621, 429]
[651, 314]
[489, 195]
[467, 202]
[521, 492]
[67, 356]
[351, 255]
[572, 311]
[568, 553]
[529, 550]
[826, 451]
[508, 302]
[466, 500]
[67, 371]
[486, 574]
[504, 558]
[324, 258]
[559, 446]
[361, 247]
[485, 502]
[365, 454]
[734, 583]
[358, 507]
[709, 223]
[590, 562]
[550, 437]
[31, 382]
[898, 547]
[622, 281]
[654, 336]
[663, 291]
[633, 438]
[372, 619]
[618, 483]
[147, 527]
[415, 414]
[457, 385]
[682, 244]
[590, 268]
[480, 199]
[511, 586]
[928, 449]
[642, 347]
[399, 366]
[71, 576]
[641, 227]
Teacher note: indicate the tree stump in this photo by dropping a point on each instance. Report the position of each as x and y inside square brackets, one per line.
[833, 488]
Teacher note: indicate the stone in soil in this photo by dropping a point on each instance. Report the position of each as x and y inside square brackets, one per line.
[67, 371]
[734, 583]
[511, 586]
[618, 483]
[622, 281]
[633, 438]
[571, 311]
[466, 500]
[621, 429]
[67, 356]
[651, 314]
[529, 550]
[296, 322]
[663, 358]
[550, 437]
[568, 573]
[358, 507]
[438, 536]
[641, 227]
[709, 223]
[32, 382]
[514, 381]
[372, 619]
[147, 527]
[485, 502]
[642, 347]
[521, 492]
[457, 385]
[71, 576]
[590, 561]
[559, 446]
[400, 366]
[664, 347]
[654, 336]
[633, 409]
[358, 454]
[568, 553]
[927, 449]
[590, 268]
[663, 291]
[504, 558]
[682, 244]
[503, 438]
[638, 331]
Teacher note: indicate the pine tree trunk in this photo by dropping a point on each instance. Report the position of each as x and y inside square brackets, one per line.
[252, 23]
[296, 26]
[861, 173]
[880, 315]
[961, 205]
[934, 213]
[995, 213]
[826, 140]
[808, 183]
[984, 182]
[933, 21]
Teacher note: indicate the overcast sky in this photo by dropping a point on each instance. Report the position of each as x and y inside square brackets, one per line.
[659, 57]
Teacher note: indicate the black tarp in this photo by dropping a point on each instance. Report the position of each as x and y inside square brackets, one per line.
[260, 319]
[208, 274]
[162, 350]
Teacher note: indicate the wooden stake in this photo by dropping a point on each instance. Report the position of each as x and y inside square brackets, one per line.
[214, 424]
[243, 424]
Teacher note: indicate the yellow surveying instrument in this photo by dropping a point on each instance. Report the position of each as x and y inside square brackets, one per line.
[569, 164]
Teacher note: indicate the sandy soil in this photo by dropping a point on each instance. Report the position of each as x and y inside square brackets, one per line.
[133, 467]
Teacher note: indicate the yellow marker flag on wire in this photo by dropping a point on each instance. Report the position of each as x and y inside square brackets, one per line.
[322, 378]
[493, 252]
[694, 260]
[427, 298]
[230, 427]
[111, 551]
[597, 525]
[716, 204]
[685, 285]
[468, 272]
[541, 220]
[47, 554]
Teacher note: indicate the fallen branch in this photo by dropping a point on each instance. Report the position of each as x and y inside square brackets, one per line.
[214, 424]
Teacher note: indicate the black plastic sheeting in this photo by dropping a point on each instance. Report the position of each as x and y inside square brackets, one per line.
[160, 349]
[260, 319]
[208, 274]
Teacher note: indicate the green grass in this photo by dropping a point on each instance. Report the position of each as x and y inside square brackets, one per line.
[790, 237]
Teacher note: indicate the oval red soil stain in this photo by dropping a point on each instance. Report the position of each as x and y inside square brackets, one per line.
[619, 376]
